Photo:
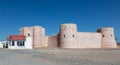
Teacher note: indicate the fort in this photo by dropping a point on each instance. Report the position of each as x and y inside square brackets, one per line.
[69, 37]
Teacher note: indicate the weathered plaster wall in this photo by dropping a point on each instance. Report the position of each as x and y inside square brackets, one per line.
[88, 40]
[27, 31]
[37, 33]
[67, 36]
[45, 43]
[108, 40]
[52, 41]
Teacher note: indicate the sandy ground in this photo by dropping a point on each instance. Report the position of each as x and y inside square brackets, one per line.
[60, 57]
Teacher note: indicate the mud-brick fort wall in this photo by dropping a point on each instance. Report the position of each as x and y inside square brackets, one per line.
[69, 37]
[107, 37]
[88, 40]
[52, 41]
[38, 35]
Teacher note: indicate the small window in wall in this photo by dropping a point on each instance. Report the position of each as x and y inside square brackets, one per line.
[28, 34]
[23, 43]
[13, 43]
[18, 43]
[64, 36]
[103, 36]
[73, 35]
[111, 35]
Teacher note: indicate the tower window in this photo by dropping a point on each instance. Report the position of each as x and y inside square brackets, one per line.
[28, 34]
[111, 35]
[73, 35]
[103, 36]
[64, 36]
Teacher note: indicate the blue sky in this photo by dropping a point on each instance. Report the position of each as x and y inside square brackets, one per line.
[89, 15]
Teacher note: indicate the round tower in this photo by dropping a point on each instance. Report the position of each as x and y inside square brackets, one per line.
[108, 40]
[37, 37]
[27, 31]
[68, 36]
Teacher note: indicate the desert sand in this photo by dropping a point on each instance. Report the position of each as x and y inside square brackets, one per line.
[58, 56]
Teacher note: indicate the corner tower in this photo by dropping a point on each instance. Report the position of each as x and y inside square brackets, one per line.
[39, 34]
[108, 40]
[68, 36]
[27, 31]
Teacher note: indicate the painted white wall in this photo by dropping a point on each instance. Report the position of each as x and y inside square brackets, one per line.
[13, 47]
[28, 42]
[1, 43]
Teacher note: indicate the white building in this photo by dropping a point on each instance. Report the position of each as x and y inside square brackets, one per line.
[19, 42]
[3, 44]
